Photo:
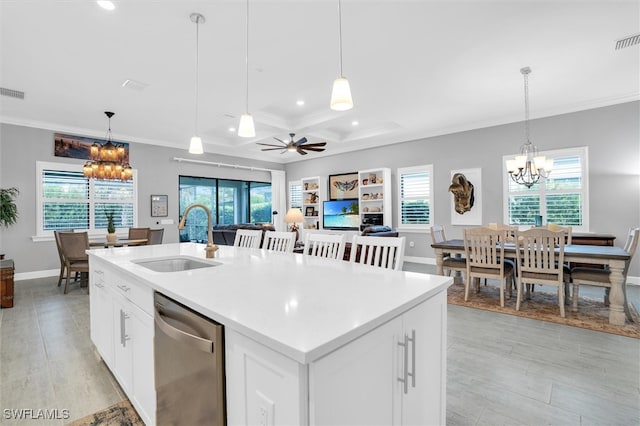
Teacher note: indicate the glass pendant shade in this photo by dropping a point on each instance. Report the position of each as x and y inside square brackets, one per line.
[246, 129]
[341, 95]
[195, 147]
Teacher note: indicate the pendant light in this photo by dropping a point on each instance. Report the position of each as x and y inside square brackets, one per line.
[528, 167]
[341, 94]
[195, 146]
[108, 161]
[246, 128]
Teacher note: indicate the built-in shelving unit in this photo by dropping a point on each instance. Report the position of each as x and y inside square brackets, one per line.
[313, 192]
[374, 196]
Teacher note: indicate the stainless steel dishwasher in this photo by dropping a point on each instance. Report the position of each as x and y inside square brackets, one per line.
[189, 366]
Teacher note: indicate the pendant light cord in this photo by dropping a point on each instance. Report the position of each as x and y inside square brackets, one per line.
[340, 34]
[197, 69]
[526, 105]
[246, 60]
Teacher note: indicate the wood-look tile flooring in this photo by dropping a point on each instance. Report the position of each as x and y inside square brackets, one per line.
[501, 369]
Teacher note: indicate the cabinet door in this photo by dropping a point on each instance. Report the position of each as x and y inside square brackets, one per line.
[101, 320]
[141, 334]
[424, 403]
[355, 384]
[122, 353]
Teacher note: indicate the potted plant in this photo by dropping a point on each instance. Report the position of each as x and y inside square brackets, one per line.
[111, 227]
[8, 208]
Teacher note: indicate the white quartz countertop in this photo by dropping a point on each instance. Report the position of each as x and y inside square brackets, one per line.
[303, 307]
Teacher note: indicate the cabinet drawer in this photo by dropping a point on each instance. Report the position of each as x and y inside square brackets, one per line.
[139, 294]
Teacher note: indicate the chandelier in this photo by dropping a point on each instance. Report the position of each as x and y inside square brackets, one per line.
[108, 160]
[528, 167]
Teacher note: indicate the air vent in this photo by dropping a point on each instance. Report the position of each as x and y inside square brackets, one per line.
[628, 41]
[11, 93]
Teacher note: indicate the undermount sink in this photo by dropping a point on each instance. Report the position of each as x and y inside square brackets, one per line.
[175, 264]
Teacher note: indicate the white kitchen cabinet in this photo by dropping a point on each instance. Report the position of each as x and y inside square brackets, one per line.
[360, 383]
[123, 334]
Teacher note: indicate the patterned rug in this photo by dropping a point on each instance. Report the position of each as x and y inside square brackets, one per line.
[592, 314]
[120, 414]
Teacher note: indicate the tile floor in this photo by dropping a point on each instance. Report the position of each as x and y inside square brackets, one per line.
[502, 369]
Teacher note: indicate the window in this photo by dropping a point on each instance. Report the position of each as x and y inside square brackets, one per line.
[230, 201]
[560, 199]
[295, 194]
[415, 197]
[68, 200]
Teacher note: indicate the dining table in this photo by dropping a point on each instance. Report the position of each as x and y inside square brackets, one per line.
[612, 257]
[120, 242]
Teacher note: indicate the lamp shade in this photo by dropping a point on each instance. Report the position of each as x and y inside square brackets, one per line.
[341, 95]
[195, 147]
[294, 215]
[246, 129]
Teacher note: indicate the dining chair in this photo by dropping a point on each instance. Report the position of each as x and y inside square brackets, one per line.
[139, 234]
[601, 277]
[449, 263]
[74, 246]
[249, 238]
[279, 241]
[565, 229]
[63, 265]
[330, 246]
[540, 260]
[383, 252]
[155, 236]
[484, 250]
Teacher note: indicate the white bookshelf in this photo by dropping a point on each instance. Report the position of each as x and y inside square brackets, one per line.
[374, 196]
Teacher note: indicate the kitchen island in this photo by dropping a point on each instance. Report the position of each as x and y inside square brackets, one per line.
[307, 340]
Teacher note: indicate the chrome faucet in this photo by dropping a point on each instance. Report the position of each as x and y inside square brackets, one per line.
[211, 248]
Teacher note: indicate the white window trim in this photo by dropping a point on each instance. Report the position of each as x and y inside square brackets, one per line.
[48, 235]
[405, 170]
[583, 152]
[290, 185]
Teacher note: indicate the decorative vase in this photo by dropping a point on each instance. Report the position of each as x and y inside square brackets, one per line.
[112, 237]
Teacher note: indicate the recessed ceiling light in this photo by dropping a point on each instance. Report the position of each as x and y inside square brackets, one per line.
[354, 123]
[106, 4]
[300, 102]
[232, 129]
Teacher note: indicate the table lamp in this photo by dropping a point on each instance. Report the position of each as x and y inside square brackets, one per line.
[294, 216]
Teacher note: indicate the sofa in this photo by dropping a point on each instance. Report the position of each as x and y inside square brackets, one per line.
[226, 234]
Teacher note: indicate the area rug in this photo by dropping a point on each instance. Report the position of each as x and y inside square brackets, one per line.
[120, 414]
[592, 314]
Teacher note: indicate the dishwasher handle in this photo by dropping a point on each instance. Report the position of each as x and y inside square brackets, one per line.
[197, 342]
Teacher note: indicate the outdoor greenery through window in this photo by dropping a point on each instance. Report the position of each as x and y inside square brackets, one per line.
[560, 199]
[415, 199]
[68, 200]
[230, 201]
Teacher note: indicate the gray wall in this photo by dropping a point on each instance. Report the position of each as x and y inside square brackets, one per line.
[612, 135]
[21, 147]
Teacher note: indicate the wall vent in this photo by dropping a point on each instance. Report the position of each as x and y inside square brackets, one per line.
[11, 93]
[628, 41]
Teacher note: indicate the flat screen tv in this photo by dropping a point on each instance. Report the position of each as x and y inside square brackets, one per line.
[341, 214]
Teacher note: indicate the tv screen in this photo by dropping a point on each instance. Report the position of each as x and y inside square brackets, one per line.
[341, 214]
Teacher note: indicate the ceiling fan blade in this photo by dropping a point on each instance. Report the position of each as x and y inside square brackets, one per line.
[271, 149]
[312, 149]
[300, 141]
[315, 144]
[268, 144]
[301, 152]
[280, 140]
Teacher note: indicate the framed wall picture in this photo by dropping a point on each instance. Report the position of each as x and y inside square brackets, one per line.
[465, 188]
[309, 211]
[159, 205]
[80, 146]
[344, 186]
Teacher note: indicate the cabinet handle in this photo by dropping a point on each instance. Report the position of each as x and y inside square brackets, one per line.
[123, 331]
[412, 339]
[124, 287]
[405, 369]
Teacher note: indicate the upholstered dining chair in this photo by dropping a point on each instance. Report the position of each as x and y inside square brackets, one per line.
[63, 265]
[279, 241]
[484, 250]
[249, 238]
[139, 234]
[155, 236]
[382, 252]
[449, 263]
[601, 277]
[74, 246]
[538, 262]
[330, 246]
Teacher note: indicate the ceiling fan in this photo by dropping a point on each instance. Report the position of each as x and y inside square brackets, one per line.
[300, 146]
